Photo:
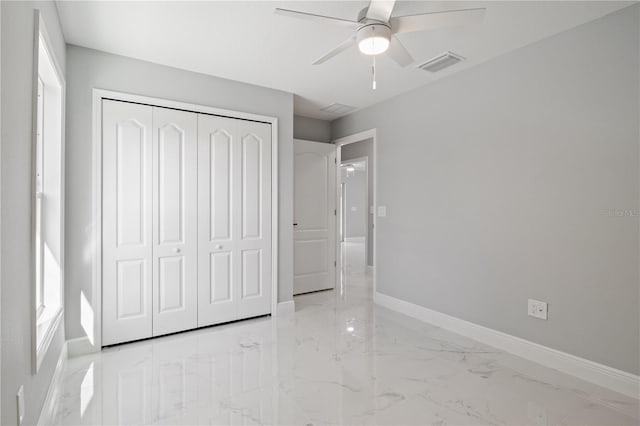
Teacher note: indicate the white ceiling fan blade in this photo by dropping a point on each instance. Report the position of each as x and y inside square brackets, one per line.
[435, 20]
[380, 10]
[340, 48]
[317, 18]
[399, 53]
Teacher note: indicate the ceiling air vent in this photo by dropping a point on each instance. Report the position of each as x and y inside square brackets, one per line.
[337, 109]
[441, 62]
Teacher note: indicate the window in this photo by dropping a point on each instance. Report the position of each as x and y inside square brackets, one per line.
[48, 201]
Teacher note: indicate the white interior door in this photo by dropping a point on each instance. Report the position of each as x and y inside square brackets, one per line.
[127, 222]
[314, 216]
[175, 291]
[234, 219]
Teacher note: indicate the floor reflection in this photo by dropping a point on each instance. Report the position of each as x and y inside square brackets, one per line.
[338, 360]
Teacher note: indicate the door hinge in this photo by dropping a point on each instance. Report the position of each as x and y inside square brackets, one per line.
[335, 161]
[335, 212]
[335, 263]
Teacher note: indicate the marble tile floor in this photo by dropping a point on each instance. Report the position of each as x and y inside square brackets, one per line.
[338, 360]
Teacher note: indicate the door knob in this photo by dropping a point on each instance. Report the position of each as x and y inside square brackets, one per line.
[218, 246]
[176, 250]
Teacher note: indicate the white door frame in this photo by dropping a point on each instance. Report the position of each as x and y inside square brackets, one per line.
[358, 137]
[366, 196]
[95, 343]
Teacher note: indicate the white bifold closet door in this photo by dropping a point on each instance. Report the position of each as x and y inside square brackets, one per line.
[127, 186]
[234, 219]
[149, 221]
[175, 221]
[186, 226]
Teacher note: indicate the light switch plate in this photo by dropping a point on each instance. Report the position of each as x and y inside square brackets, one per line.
[20, 402]
[537, 309]
[382, 211]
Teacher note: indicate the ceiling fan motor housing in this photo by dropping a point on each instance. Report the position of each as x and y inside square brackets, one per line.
[374, 38]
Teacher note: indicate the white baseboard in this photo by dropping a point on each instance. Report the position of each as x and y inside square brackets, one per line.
[49, 406]
[80, 346]
[286, 308]
[602, 375]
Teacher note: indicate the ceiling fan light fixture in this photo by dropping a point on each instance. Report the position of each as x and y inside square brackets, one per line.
[373, 45]
[374, 39]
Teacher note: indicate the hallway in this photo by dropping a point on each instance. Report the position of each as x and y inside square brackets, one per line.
[338, 360]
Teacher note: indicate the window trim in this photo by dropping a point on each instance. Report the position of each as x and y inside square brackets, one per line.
[38, 166]
[45, 323]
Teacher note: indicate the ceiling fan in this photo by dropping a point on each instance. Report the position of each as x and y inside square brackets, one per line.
[375, 29]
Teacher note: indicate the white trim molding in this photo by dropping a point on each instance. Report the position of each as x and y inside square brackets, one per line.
[286, 308]
[79, 346]
[590, 371]
[48, 408]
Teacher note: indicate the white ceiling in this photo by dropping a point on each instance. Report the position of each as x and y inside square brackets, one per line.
[246, 41]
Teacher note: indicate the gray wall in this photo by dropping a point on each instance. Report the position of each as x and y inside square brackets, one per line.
[356, 150]
[311, 129]
[504, 182]
[88, 69]
[17, 98]
[356, 202]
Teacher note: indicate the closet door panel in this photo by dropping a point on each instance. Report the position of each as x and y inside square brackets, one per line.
[220, 277]
[174, 221]
[254, 287]
[219, 174]
[217, 219]
[127, 226]
[251, 165]
[251, 274]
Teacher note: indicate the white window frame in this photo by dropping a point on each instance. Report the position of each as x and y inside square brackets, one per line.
[46, 318]
[38, 166]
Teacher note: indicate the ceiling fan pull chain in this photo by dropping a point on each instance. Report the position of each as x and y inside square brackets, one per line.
[373, 72]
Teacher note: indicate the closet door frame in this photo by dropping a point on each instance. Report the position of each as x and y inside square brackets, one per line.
[94, 343]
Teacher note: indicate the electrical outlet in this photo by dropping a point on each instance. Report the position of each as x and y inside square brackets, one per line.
[537, 309]
[382, 211]
[20, 401]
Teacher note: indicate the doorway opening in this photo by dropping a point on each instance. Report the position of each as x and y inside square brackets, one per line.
[356, 192]
[354, 215]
